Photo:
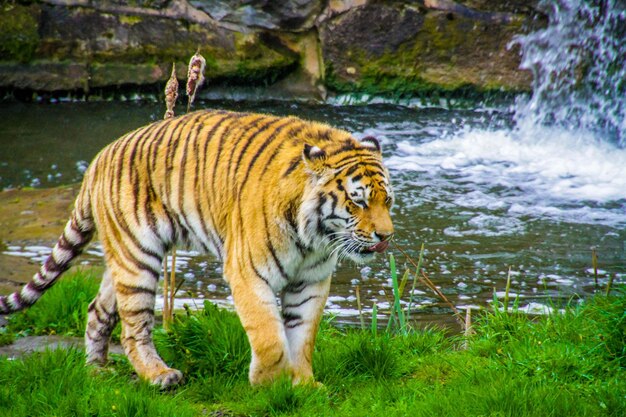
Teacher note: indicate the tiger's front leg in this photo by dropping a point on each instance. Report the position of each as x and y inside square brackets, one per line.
[257, 308]
[303, 305]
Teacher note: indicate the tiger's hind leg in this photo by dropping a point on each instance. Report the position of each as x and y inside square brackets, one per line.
[136, 294]
[303, 305]
[101, 320]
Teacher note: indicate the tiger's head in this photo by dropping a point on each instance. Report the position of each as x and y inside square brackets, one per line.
[346, 206]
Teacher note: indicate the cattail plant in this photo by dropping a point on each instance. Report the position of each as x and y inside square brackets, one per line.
[171, 94]
[195, 77]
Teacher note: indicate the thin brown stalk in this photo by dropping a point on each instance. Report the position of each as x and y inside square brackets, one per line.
[165, 295]
[427, 282]
[172, 285]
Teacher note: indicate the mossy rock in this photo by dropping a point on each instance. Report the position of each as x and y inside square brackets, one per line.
[19, 35]
[400, 50]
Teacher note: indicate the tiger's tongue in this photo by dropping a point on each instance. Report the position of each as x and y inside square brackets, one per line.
[379, 247]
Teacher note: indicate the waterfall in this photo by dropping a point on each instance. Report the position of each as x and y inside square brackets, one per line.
[578, 64]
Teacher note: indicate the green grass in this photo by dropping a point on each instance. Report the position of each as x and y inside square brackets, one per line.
[570, 364]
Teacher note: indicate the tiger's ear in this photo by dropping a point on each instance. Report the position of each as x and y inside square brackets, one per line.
[314, 158]
[372, 143]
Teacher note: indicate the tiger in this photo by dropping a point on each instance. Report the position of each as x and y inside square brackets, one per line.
[278, 200]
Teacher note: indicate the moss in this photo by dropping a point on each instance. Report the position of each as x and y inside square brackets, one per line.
[19, 35]
[448, 55]
[130, 20]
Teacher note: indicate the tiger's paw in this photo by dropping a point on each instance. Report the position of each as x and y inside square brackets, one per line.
[168, 378]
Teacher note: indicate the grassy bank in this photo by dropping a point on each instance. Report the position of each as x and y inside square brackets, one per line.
[570, 364]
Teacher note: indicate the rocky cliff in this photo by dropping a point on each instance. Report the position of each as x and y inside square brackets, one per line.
[300, 48]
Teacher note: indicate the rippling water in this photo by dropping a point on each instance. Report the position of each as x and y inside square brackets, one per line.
[480, 193]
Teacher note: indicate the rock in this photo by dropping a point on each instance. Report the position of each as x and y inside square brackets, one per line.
[19, 35]
[294, 46]
[82, 48]
[88, 35]
[510, 6]
[395, 48]
[44, 75]
[291, 15]
[306, 80]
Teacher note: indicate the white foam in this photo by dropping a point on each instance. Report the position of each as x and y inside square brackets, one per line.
[536, 171]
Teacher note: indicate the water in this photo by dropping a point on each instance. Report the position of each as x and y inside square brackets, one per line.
[479, 195]
[531, 185]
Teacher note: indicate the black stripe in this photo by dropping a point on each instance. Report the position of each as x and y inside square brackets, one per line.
[35, 288]
[287, 317]
[128, 290]
[293, 131]
[145, 310]
[318, 263]
[122, 249]
[325, 135]
[181, 188]
[256, 271]
[155, 143]
[301, 303]
[51, 266]
[220, 145]
[270, 246]
[280, 358]
[290, 215]
[261, 149]
[119, 218]
[295, 162]
[248, 139]
[295, 287]
[294, 324]
[201, 162]
[353, 168]
[335, 199]
[172, 148]
[352, 156]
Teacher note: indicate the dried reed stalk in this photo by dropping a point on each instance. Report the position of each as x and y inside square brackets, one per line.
[173, 288]
[166, 296]
[428, 283]
[171, 93]
[195, 77]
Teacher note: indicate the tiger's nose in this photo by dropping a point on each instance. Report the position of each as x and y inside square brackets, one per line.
[384, 237]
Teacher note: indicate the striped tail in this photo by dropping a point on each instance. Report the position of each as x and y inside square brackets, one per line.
[76, 235]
